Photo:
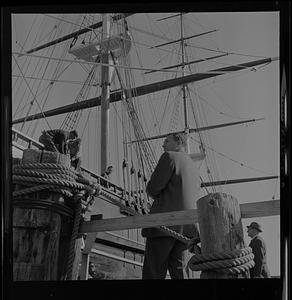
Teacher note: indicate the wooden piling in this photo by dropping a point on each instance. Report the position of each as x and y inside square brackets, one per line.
[220, 228]
[37, 254]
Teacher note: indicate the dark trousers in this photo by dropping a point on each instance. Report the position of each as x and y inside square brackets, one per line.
[162, 254]
[265, 273]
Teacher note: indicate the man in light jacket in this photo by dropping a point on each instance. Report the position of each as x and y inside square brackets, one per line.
[174, 185]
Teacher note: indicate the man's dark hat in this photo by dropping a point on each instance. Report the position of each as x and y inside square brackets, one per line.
[255, 225]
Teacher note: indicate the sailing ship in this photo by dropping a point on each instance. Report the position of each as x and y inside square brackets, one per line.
[124, 82]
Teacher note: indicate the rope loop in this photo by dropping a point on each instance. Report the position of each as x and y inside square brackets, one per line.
[198, 258]
[56, 178]
[230, 262]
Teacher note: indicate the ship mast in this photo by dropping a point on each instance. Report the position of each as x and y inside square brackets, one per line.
[184, 85]
[106, 72]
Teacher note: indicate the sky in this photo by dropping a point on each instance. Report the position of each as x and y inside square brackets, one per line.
[234, 152]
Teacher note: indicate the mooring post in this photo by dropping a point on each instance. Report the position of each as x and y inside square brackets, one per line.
[220, 229]
[38, 252]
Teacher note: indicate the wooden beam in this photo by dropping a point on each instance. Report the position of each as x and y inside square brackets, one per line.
[84, 266]
[119, 242]
[187, 63]
[75, 34]
[186, 38]
[233, 181]
[90, 237]
[116, 257]
[191, 130]
[140, 221]
[260, 209]
[248, 210]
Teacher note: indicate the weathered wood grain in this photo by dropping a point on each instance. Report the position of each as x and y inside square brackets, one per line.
[84, 266]
[220, 228]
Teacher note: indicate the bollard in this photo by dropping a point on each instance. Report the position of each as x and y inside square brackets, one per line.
[38, 251]
[220, 228]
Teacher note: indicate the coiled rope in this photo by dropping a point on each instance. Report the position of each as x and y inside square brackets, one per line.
[59, 179]
[230, 262]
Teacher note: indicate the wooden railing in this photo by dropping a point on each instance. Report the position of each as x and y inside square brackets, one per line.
[23, 137]
[248, 210]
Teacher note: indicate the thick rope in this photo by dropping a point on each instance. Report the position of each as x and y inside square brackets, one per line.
[59, 182]
[175, 234]
[43, 166]
[230, 262]
[65, 192]
[59, 175]
[133, 211]
[222, 255]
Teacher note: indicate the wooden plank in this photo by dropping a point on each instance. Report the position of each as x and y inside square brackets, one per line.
[260, 209]
[116, 257]
[171, 218]
[84, 266]
[248, 210]
[117, 242]
[90, 238]
[114, 267]
[77, 258]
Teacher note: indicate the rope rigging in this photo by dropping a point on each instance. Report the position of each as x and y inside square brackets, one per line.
[201, 142]
[31, 91]
[46, 68]
[56, 74]
[70, 121]
[137, 127]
